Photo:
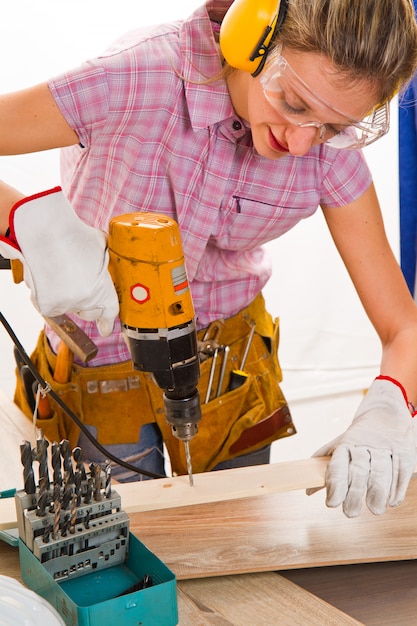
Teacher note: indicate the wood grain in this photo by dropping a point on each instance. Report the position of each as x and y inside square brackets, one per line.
[275, 532]
[251, 599]
[225, 485]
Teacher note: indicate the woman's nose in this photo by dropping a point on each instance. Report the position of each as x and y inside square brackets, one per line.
[301, 139]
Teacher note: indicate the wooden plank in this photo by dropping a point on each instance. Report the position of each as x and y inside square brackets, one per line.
[251, 599]
[225, 485]
[232, 484]
[163, 493]
[275, 532]
[189, 614]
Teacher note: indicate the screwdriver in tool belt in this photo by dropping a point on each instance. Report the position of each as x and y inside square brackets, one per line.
[238, 377]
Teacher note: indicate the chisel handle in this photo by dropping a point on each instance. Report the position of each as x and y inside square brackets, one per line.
[63, 363]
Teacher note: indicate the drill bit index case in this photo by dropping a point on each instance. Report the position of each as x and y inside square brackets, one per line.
[90, 537]
[76, 550]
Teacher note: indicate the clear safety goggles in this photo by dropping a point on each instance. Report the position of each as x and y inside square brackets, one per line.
[279, 82]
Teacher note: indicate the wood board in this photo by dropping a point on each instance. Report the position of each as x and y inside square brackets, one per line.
[161, 493]
[272, 532]
[251, 599]
[275, 532]
[212, 487]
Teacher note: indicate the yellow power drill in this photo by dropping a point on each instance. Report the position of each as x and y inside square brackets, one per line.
[157, 314]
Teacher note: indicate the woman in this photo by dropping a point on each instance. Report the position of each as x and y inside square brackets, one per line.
[237, 128]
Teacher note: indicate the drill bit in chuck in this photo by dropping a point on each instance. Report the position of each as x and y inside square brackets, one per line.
[189, 465]
[183, 415]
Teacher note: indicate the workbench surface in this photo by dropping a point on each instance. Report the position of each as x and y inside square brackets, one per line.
[375, 594]
[250, 539]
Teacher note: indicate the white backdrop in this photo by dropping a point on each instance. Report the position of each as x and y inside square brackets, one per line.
[328, 348]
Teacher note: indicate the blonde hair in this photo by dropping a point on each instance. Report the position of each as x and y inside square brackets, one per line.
[372, 40]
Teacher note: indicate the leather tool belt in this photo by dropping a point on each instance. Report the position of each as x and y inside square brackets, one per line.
[117, 400]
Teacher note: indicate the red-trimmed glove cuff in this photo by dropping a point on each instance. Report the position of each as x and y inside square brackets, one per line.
[10, 236]
[409, 404]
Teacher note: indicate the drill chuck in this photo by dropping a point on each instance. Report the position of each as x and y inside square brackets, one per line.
[183, 414]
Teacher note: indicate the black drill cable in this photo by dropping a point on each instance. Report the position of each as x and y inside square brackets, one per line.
[46, 388]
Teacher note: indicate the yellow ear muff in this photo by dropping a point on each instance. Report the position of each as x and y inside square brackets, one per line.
[246, 32]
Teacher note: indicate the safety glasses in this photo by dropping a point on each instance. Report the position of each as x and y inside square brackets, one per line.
[282, 85]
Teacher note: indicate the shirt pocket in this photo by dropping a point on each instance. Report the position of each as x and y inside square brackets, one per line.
[247, 223]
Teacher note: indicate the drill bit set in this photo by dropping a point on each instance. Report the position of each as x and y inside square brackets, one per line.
[75, 547]
[72, 520]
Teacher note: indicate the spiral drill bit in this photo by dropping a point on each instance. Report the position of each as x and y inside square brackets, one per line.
[47, 533]
[73, 514]
[66, 457]
[42, 458]
[78, 486]
[89, 491]
[96, 476]
[56, 464]
[26, 457]
[56, 511]
[66, 497]
[189, 465]
[107, 471]
[65, 525]
[43, 497]
[77, 454]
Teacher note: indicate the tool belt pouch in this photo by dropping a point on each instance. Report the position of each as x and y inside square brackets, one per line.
[110, 398]
[249, 417]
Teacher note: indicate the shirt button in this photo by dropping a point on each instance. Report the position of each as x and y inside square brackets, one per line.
[237, 125]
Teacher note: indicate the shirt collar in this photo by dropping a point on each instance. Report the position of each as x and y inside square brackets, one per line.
[208, 103]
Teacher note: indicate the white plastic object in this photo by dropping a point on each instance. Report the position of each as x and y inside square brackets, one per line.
[20, 606]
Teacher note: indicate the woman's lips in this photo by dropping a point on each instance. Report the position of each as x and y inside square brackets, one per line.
[275, 144]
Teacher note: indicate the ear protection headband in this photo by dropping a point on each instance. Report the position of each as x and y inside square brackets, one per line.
[246, 32]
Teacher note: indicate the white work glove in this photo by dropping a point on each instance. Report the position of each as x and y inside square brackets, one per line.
[376, 455]
[65, 261]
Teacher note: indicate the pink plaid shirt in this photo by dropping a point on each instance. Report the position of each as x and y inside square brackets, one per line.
[154, 136]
